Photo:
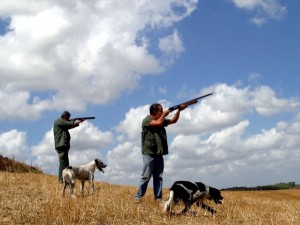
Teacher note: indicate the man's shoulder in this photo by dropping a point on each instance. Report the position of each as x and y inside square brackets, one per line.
[57, 120]
[147, 120]
[148, 117]
[62, 122]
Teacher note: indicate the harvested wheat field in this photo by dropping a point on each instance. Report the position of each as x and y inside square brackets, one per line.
[28, 198]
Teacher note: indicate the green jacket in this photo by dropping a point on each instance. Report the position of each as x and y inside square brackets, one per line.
[154, 139]
[61, 133]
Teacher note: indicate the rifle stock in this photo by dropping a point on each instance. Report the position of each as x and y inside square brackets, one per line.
[190, 102]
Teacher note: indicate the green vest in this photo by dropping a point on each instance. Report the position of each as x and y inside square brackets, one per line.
[154, 139]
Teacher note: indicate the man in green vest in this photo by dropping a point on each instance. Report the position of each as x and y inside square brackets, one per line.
[62, 139]
[154, 146]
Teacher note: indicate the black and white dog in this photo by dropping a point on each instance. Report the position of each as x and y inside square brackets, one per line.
[190, 193]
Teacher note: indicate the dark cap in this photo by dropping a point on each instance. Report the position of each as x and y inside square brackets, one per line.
[65, 114]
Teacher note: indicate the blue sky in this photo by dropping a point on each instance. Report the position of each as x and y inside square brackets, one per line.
[81, 57]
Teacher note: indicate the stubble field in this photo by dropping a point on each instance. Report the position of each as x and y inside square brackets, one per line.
[27, 198]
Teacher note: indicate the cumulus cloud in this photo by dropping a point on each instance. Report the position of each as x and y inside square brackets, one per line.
[263, 9]
[210, 142]
[171, 46]
[266, 103]
[125, 162]
[70, 54]
[13, 143]
[131, 125]
[58, 53]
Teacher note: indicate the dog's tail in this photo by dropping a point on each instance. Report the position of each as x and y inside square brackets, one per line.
[167, 207]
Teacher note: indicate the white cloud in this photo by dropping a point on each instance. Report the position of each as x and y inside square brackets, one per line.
[259, 21]
[254, 77]
[125, 163]
[131, 125]
[163, 90]
[16, 102]
[68, 54]
[171, 46]
[210, 142]
[14, 7]
[263, 9]
[266, 103]
[62, 54]
[13, 144]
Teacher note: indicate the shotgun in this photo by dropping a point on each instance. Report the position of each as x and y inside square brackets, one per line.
[84, 118]
[190, 102]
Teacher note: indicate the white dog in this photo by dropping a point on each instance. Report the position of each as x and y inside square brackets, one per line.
[82, 173]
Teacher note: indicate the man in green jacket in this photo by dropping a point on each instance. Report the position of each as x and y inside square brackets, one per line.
[62, 139]
[154, 146]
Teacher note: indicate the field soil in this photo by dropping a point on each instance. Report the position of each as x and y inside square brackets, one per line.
[33, 198]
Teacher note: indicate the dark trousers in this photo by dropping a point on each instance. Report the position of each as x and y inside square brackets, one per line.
[63, 157]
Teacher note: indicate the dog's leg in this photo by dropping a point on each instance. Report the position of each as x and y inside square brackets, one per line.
[207, 207]
[167, 207]
[92, 186]
[92, 183]
[187, 207]
[188, 203]
[64, 188]
[72, 186]
[82, 187]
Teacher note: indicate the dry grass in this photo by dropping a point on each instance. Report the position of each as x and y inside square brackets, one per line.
[10, 165]
[28, 198]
